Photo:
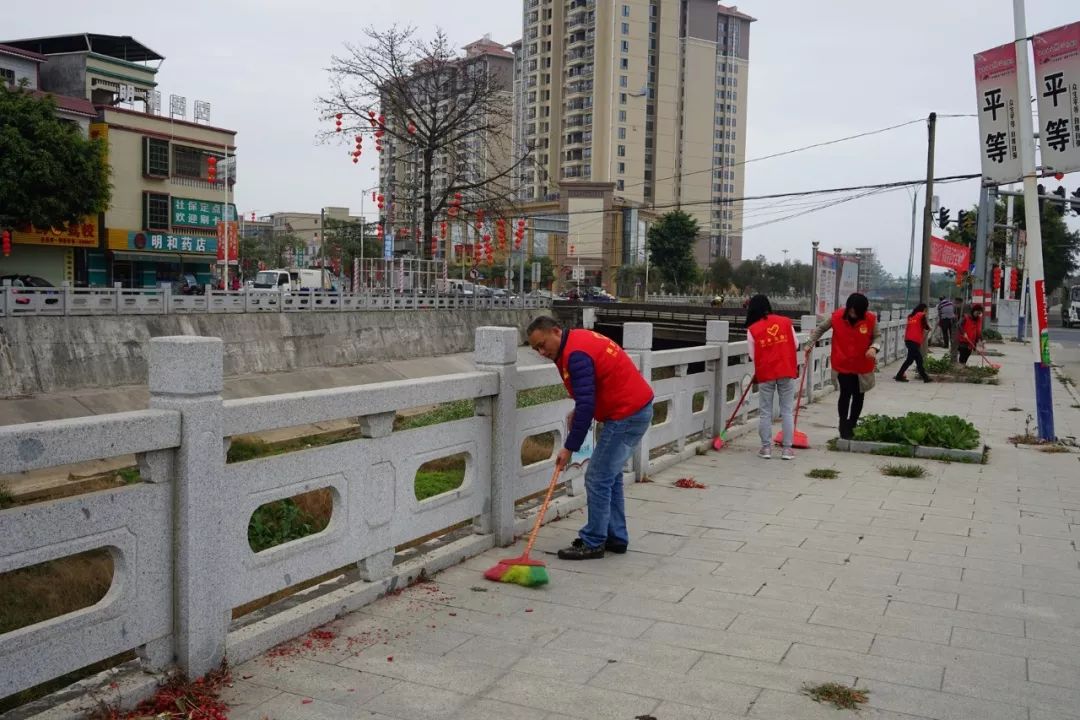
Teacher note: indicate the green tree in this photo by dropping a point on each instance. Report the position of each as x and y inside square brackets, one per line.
[671, 248]
[50, 175]
[720, 274]
[344, 239]
[270, 250]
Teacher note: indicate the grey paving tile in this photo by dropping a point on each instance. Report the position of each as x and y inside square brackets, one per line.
[686, 690]
[459, 674]
[686, 611]
[636, 651]
[1050, 673]
[957, 618]
[795, 631]
[1011, 645]
[677, 711]
[914, 628]
[939, 705]
[560, 666]
[863, 666]
[758, 673]
[718, 641]
[579, 701]
[290, 706]
[895, 592]
[1008, 667]
[775, 705]
[411, 701]
[967, 681]
[315, 680]
[749, 605]
[837, 597]
[487, 709]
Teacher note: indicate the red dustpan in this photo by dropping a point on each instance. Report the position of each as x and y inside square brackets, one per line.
[798, 438]
[719, 440]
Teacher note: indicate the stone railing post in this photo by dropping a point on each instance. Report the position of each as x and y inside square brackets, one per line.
[496, 351]
[718, 333]
[186, 376]
[807, 323]
[637, 340]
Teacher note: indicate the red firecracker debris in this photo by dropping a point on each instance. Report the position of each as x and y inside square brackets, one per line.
[181, 699]
[689, 483]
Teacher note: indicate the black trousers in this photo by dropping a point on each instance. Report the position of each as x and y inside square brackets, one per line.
[965, 353]
[849, 406]
[946, 331]
[914, 355]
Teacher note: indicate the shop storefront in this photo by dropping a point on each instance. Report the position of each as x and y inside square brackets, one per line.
[144, 259]
[51, 254]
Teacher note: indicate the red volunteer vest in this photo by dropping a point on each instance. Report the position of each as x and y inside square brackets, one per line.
[915, 330]
[970, 330]
[774, 348]
[850, 343]
[620, 389]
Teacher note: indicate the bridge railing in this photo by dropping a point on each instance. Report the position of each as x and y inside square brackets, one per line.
[67, 300]
[179, 538]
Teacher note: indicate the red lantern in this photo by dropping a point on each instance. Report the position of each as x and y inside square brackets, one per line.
[211, 169]
[571, 249]
[371, 113]
[382, 119]
[379, 230]
[412, 128]
[355, 160]
[1059, 176]
[5, 242]
[339, 116]
[997, 277]
[517, 243]
[457, 196]
[1014, 281]
[252, 216]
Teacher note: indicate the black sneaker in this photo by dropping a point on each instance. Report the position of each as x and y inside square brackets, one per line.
[927, 379]
[578, 550]
[614, 546]
[900, 378]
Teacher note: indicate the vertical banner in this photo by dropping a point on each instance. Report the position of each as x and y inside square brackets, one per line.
[1057, 89]
[849, 280]
[356, 274]
[1044, 321]
[825, 295]
[996, 91]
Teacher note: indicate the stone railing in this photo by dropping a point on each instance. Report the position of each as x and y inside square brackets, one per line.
[178, 539]
[66, 300]
[778, 302]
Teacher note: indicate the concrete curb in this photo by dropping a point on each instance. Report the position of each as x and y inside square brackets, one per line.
[918, 451]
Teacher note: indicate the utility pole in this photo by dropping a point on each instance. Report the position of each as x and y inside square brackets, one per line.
[978, 290]
[928, 213]
[911, 249]
[1040, 332]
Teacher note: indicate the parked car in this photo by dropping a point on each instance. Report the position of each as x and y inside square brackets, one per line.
[187, 284]
[29, 282]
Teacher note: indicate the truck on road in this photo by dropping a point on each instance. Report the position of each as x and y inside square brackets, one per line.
[295, 280]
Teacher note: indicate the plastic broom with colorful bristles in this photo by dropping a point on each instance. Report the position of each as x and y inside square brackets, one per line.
[524, 570]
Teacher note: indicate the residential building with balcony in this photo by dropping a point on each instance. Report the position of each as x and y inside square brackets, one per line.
[478, 157]
[162, 221]
[649, 95]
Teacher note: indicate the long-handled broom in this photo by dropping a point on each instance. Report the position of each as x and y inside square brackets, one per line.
[719, 440]
[524, 570]
[798, 438]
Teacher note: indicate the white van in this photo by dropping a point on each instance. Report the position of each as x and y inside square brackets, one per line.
[294, 280]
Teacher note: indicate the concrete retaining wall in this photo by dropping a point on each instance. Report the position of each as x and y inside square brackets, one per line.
[53, 354]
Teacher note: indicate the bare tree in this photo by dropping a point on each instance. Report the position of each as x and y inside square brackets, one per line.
[448, 116]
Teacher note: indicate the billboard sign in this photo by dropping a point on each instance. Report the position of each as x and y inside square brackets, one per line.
[996, 91]
[1057, 88]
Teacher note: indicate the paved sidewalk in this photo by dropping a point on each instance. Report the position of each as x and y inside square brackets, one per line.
[955, 596]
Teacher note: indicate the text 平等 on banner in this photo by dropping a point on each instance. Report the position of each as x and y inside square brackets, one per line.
[949, 254]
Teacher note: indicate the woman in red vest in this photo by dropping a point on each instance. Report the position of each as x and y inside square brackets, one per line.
[970, 333]
[914, 337]
[855, 345]
[770, 340]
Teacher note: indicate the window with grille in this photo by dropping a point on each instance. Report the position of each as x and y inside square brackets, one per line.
[155, 211]
[155, 157]
[188, 162]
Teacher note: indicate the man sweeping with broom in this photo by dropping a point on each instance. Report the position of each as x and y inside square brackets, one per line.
[606, 386]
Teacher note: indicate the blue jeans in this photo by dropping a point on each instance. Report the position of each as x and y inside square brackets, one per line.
[604, 478]
[785, 388]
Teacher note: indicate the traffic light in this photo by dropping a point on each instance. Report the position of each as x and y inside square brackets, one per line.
[943, 218]
[1060, 207]
[961, 216]
[1076, 203]
[1041, 189]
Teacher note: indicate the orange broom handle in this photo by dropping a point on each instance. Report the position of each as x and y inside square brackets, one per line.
[802, 382]
[543, 511]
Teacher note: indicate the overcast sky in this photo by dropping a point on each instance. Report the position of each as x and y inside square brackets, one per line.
[818, 71]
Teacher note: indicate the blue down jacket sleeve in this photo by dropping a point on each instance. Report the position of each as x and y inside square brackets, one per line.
[583, 383]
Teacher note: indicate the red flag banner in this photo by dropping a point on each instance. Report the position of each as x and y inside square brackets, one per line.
[948, 254]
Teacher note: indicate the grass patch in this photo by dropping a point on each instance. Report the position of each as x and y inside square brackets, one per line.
[904, 471]
[991, 335]
[663, 373]
[832, 444]
[129, 475]
[699, 401]
[282, 521]
[949, 432]
[660, 412]
[823, 474]
[50, 589]
[1054, 449]
[447, 412]
[840, 696]
[6, 498]
[441, 475]
[541, 395]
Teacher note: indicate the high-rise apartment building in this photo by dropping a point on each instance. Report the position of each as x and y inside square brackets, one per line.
[649, 95]
[477, 158]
